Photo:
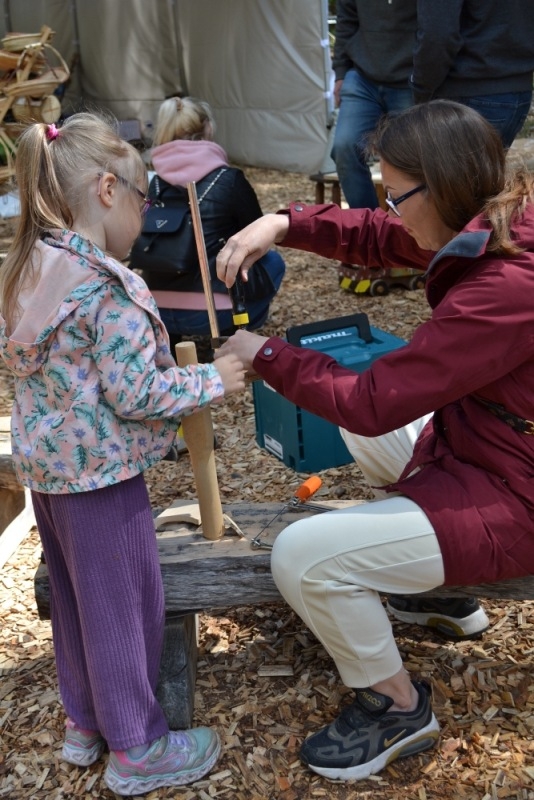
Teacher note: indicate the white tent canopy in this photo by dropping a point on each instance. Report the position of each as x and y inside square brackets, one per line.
[262, 65]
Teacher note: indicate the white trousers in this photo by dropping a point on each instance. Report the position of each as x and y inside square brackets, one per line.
[331, 568]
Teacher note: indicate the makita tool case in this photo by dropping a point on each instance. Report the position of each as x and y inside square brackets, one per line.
[303, 441]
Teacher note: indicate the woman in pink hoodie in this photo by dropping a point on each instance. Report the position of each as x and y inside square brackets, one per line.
[184, 151]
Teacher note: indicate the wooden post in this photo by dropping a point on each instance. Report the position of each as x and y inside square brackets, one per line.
[198, 435]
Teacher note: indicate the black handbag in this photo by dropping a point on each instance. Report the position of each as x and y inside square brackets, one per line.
[167, 242]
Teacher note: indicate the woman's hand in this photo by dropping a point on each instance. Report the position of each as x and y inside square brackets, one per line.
[232, 373]
[246, 247]
[243, 345]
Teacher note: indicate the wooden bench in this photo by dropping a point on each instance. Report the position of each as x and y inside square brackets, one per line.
[331, 179]
[199, 574]
[322, 180]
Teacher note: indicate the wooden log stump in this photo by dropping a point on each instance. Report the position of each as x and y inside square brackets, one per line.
[178, 670]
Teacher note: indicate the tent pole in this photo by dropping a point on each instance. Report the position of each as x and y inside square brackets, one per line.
[181, 81]
[76, 58]
[329, 77]
[7, 15]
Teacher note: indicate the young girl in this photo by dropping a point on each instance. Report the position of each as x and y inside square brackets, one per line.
[98, 400]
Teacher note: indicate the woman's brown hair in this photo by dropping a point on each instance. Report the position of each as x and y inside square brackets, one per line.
[459, 157]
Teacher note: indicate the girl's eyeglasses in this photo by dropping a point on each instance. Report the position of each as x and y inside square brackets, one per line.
[393, 203]
[146, 201]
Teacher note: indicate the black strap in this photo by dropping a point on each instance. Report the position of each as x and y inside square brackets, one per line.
[517, 423]
[161, 186]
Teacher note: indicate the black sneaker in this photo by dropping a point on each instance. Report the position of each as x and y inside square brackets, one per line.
[455, 618]
[366, 736]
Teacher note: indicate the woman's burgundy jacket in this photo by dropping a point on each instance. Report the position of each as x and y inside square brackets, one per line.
[476, 476]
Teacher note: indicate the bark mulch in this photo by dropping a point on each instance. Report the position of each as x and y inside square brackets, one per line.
[263, 679]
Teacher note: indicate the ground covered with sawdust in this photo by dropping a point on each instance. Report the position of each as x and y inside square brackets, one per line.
[483, 691]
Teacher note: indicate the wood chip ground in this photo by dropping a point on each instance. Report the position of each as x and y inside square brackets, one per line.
[263, 679]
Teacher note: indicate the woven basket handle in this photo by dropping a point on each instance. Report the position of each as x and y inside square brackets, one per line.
[62, 62]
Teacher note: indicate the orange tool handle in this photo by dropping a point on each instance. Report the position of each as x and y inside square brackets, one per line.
[306, 489]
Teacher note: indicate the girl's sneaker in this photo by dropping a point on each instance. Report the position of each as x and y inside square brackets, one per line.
[175, 759]
[81, 748]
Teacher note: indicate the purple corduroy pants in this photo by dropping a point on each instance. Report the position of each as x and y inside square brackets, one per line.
[107, 608]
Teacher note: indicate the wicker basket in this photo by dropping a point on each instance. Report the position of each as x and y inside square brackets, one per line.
[8, 61]
[43, 84]
[17, 42]
[38, 87]
[14, 129]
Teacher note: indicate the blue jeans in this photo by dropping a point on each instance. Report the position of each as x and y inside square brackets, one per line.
[363, 103]
[507, 112]
[182, 322]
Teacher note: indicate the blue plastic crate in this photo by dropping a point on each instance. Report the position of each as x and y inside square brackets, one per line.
[304, 441]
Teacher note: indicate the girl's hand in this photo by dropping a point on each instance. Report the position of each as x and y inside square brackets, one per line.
[243, 345]
[244, 248]
[232, 373]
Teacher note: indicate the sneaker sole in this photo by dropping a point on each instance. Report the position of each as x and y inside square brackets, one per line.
[135, 786]
[416, 743]
[467, 628]
[81, 758]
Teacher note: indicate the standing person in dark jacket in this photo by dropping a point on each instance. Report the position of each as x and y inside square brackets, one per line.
[184, 151]
[459, 507]
[372, 62]
[477, 52]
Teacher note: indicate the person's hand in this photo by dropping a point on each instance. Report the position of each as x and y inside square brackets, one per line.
[232, 373]
[247, 246]
[337, 92]
[243, 345]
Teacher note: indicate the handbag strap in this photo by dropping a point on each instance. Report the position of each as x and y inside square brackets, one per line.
[204, 193]
[212, 184]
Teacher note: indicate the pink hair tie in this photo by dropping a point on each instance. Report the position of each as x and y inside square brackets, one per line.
[52, 132]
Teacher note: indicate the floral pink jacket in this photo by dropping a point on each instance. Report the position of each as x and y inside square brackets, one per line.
[98, 394]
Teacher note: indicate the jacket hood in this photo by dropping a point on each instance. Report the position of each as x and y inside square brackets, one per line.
[470, 245]
[181, 161]
[57, 292]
